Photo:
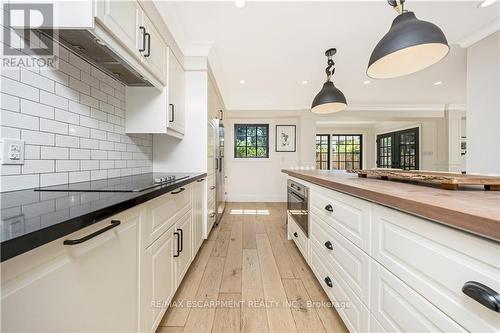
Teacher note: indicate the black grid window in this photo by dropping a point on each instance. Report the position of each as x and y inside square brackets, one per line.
[398, 150]
[323, 151]
[251, 140]
[347, 151]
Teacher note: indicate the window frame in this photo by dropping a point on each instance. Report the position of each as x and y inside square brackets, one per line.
[360, 150]
[395, 148]
[235, 136]
[328, 161]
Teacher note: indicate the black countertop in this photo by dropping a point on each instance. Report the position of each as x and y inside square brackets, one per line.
[31, 218]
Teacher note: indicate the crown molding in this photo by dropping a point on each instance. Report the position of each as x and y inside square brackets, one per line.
[480, 34]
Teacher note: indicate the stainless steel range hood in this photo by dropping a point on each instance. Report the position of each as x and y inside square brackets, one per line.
[85, 44]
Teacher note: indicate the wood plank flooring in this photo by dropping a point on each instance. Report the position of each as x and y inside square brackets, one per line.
[247, 277]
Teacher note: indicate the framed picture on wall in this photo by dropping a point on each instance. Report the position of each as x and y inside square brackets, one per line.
[285, 138]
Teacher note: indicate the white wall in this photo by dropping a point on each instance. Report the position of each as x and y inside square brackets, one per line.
[190, 153]
[483, 106]
[258, 180]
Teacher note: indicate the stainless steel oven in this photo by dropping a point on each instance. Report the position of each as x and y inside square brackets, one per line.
[298, 204]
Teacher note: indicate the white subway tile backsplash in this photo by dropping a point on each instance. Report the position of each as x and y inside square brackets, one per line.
[80, 176]
[72, 120]
[15, 119]
[9, 102]
[79, 154]
[47, 125]
[67, 92]
[67, 141]
[37, 109]
[53, 100]
[49, 179]
[66, 117]
[36, 80]
[54, 153]
[38, 166]
[67, 165]
[37, 138]
[19, 89]
[79, 131]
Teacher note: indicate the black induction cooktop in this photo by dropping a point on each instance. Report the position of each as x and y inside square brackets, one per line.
[137, 183]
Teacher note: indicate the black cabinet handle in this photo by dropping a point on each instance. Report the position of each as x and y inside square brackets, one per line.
[482, 294]
[329, 282]
[148, 36]
[200, 180]
[217, 163]
[178, 244]
[177, 192]
[329, 245]
[172, 113]
[221, 114]
[114, 224]
[329, 208]
[182, 239]
[295, 234]
[143, 48]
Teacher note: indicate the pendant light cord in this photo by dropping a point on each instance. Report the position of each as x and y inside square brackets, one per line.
[330, 70]
[399, 7]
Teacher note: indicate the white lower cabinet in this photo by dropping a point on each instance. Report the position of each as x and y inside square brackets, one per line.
[398, 308]
[91, 286]
[183, 255]
[388, 271]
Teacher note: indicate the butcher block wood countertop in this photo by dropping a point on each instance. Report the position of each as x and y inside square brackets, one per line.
[472, 210]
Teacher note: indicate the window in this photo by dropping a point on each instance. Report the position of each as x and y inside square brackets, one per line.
[347, 151]
[398, 150]
[251, 141]
[323, 151]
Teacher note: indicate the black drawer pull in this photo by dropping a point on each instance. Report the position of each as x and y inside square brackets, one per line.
[178, 244]
[172, 113]
[177, 192]
[114, 224]
[329, 282]
[482, 294]
[182, 240]
[295, 234]
[148, 37]
[200, 180]
[143, 48]
[329, 208]
[329, 245]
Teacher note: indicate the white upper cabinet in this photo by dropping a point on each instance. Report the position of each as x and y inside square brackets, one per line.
[176, 94]
[122, 19]
[158, 111]
[154, 50]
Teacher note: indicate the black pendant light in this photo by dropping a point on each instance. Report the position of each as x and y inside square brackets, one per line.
[329, 99]
[410, 46]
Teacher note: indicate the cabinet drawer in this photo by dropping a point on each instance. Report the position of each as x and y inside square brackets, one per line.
[349, 260]
[436, 261]
[164, 211]
[397, 307]
[349, 216]
[298, 236]
[353, 312]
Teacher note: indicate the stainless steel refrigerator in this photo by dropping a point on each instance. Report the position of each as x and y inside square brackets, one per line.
[220, 170]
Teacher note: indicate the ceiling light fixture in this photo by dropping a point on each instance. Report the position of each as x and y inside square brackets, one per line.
[305, 82]
[486, 3]
[240, 3]
[437, 83]
[329, 99]
[366, 82]
[242, 81]
[410, 46]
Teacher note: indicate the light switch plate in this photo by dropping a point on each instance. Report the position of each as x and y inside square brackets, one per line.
[12, 151]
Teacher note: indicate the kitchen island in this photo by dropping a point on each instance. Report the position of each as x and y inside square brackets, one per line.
[401, 257]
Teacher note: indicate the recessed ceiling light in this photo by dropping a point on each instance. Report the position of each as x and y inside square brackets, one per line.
[366, 82]
[242, 81]
[486, 3]
[239, 3]
[437, 83]
[305, 82]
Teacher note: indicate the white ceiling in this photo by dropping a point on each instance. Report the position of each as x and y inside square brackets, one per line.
[274, 46]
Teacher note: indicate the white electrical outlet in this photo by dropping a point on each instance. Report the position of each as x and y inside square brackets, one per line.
[12, 151]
